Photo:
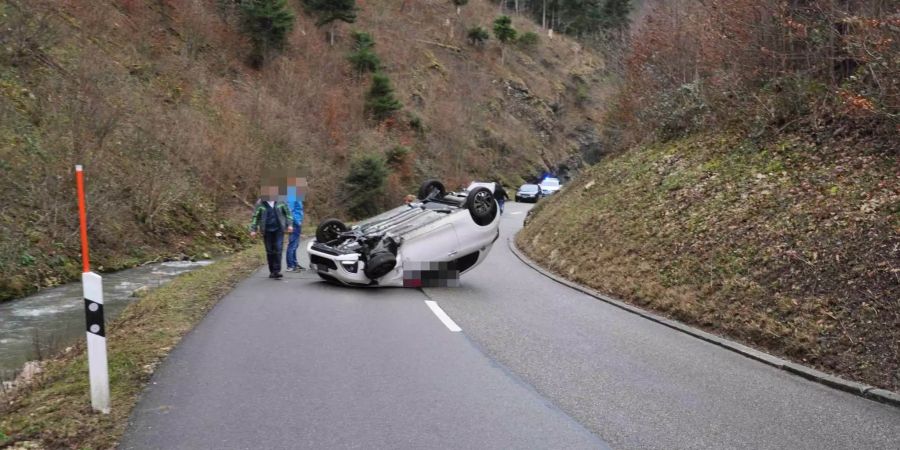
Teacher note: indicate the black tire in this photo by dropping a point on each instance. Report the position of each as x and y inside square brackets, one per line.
[432, 189]
[329, 230]
[482, 206]
[379, 265]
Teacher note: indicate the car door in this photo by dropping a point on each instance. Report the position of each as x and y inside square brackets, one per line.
[439, 244]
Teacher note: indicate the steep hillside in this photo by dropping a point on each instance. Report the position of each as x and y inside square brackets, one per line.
[175, 128]
[751, 182]
[787, 245]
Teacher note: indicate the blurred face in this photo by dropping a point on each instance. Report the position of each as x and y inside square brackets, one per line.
[301, 185]
[268, 193]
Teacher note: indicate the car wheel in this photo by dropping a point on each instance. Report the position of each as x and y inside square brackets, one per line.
[432, 189]
[482, 206]
[330, 230]
[379, 265]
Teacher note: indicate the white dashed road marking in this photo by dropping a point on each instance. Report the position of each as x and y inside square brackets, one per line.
[443, 316]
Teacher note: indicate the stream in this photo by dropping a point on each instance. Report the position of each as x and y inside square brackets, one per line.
[53, 319]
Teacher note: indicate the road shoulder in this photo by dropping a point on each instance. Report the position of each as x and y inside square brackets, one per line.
[862, 390]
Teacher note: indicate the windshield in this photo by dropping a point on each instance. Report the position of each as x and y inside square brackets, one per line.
[550, 182]
[528, 188]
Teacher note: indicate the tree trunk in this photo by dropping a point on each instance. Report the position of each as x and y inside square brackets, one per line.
[544, 15]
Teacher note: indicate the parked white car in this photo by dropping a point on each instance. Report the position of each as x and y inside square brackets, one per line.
[550, 186]
[429, 242]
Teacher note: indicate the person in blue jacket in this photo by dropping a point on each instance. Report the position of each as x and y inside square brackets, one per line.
[295, 202]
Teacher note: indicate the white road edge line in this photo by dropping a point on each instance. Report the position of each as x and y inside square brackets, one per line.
[443, 316]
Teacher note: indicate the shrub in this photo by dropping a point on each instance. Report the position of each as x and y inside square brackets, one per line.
[478, 36]
[365, 185]
[678, 112]
[397, 156]
[528, 40]
[415, 122]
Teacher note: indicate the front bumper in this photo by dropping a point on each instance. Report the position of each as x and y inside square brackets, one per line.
[346, 268]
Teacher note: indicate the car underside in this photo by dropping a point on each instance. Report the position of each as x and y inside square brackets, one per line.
[428, 242]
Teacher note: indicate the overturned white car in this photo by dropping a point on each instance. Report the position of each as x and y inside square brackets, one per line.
[426, 243]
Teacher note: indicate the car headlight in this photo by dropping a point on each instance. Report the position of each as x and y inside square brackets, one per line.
[350, 266]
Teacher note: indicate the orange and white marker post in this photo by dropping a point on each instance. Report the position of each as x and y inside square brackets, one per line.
[93, 311]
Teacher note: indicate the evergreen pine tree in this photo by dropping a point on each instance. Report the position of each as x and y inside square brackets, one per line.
[365, 185]
[330, 11]
[380, 101]
[615, 14]
[267, 23]
[582, 17]
[505, 33]
[363, 56]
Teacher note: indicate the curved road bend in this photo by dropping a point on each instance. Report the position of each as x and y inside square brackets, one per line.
[302, 364]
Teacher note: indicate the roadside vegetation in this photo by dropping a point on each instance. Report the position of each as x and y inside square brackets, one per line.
[176, 108]
[746, 179]
[54, 409]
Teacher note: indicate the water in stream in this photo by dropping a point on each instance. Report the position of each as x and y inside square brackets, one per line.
[54, 318]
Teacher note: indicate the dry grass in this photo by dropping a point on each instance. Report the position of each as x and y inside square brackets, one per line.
[55, 412]
[156, 100]
[792, 246]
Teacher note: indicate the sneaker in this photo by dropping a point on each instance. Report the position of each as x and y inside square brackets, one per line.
[278, 275]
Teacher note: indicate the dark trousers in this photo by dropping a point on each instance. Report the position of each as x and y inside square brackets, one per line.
[274, 241]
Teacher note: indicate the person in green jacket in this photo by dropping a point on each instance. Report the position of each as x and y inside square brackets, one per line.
[273, 219]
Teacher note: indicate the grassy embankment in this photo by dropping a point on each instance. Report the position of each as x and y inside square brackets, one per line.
[55, 412]
[792, 246]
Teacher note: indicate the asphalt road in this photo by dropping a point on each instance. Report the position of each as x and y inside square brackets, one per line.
[303, 364]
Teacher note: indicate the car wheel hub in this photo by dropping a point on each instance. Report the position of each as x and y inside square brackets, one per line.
[483, 203]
